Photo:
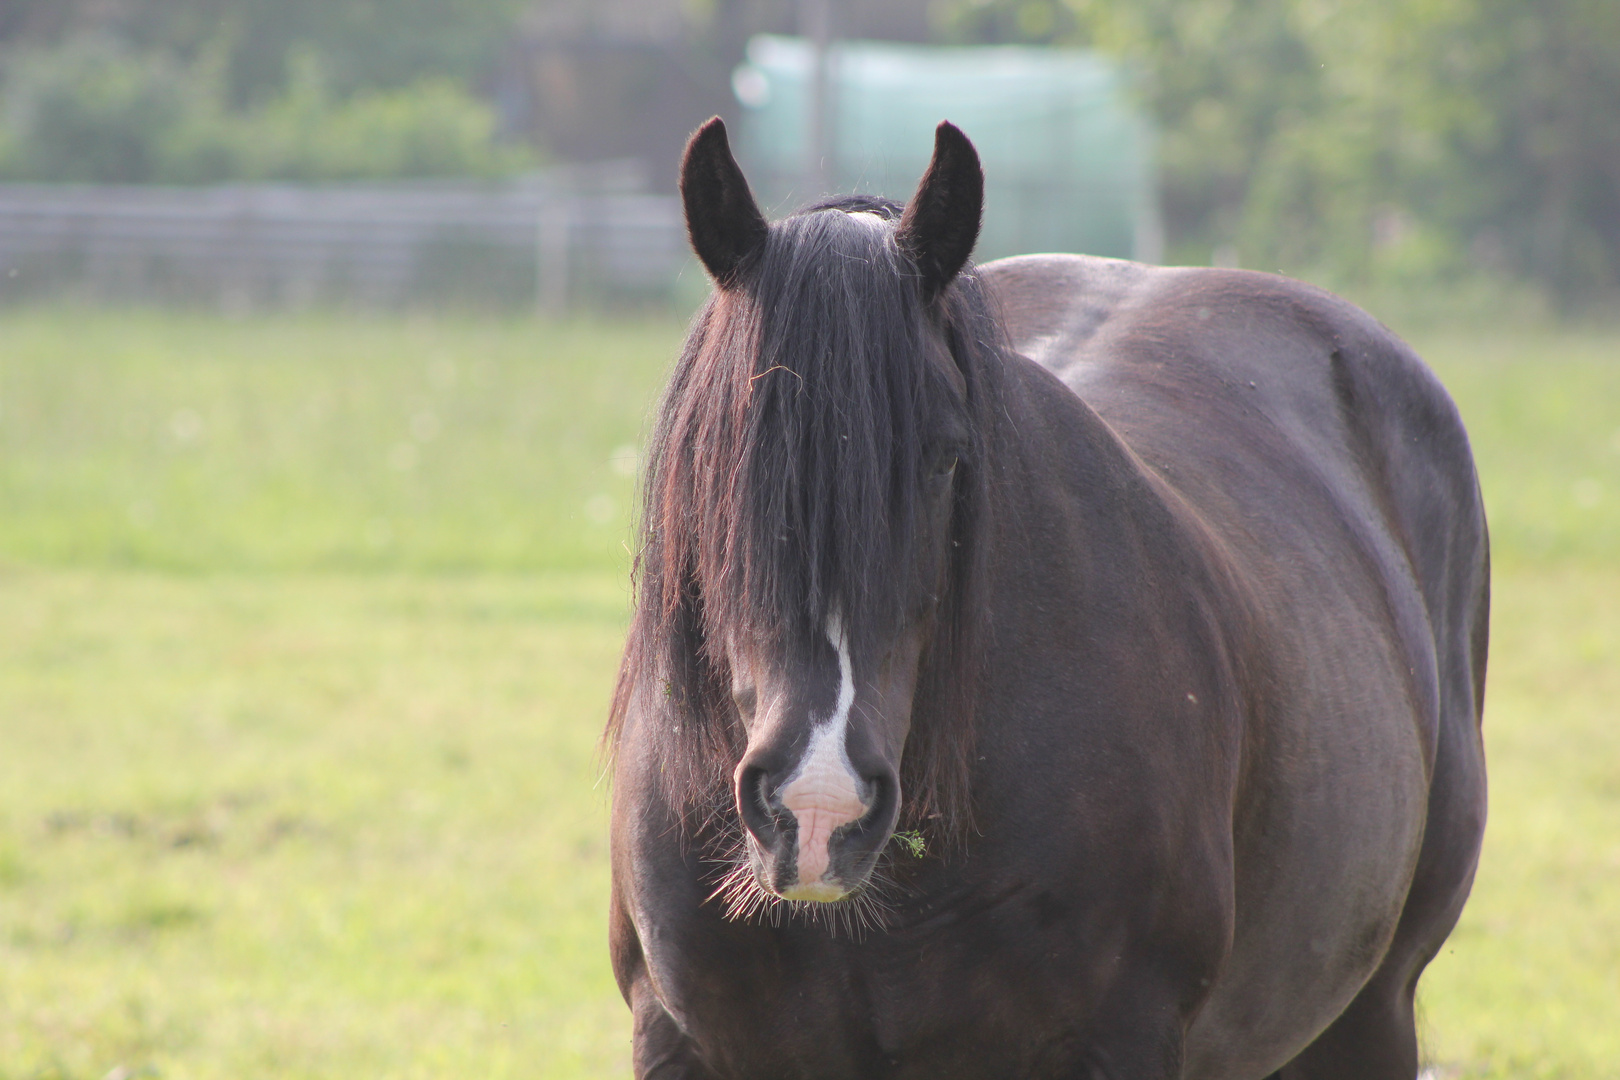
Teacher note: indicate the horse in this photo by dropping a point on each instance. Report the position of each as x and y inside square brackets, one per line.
[1059, 668]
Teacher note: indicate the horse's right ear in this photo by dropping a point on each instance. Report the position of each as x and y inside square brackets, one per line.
[722, 219]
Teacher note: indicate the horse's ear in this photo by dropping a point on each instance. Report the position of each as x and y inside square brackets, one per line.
[722, 219]
[941, 222]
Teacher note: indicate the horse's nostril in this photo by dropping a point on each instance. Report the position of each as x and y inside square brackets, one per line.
[758, 792]
[881, 794]
[878, 787]
[754, 804]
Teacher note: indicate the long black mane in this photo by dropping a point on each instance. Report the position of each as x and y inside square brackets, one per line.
[784, 485]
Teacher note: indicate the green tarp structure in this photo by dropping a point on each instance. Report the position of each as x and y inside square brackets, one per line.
[1068, 157]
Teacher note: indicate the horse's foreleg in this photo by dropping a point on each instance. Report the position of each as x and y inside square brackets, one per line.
[660, 1050]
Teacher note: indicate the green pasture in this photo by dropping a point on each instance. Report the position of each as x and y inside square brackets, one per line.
[307, 627]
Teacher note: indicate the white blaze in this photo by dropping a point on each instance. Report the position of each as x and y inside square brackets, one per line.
[824, 792]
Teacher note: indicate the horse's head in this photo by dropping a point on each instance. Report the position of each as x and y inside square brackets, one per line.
[810, 501]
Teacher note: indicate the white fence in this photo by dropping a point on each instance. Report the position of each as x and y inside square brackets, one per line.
[283, 245]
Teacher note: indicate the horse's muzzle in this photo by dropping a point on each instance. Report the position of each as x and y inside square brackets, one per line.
[811, 839]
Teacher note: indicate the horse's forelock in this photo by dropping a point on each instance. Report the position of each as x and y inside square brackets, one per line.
[837, 404]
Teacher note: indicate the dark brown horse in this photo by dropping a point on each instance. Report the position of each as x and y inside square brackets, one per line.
[1063, 668]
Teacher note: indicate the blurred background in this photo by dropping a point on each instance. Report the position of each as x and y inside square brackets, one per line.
[329, 331]
[392, 150]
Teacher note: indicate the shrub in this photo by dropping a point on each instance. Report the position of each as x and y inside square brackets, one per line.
[93, 111]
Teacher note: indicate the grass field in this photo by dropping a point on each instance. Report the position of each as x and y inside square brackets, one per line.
[306, 631]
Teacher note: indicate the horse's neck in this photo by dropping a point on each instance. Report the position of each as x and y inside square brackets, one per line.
[1077, 505]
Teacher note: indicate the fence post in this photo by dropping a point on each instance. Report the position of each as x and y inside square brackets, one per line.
[551, 256]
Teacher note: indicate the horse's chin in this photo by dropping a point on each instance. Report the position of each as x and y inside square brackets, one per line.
[818, 892]
[777, 877]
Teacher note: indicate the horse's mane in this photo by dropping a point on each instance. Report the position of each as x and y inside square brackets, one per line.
[785, 483]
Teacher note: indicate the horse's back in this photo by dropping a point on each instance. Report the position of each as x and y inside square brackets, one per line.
[1323, 463]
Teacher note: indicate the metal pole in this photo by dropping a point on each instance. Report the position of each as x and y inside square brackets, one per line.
[815, 23]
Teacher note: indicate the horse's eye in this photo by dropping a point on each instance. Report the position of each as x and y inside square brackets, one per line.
[945, 464]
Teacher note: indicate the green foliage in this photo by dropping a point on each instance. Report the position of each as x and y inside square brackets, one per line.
[429, 128]
[364, 44]
[92, 110]
[1402, 142]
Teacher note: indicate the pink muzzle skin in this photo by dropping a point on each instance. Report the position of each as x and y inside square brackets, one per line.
[822, 802]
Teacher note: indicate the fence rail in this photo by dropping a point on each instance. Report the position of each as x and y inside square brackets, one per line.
[283, 245]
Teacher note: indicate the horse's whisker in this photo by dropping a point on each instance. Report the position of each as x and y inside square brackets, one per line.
[742, 898]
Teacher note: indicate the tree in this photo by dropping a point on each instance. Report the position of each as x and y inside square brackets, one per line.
[1386, 140]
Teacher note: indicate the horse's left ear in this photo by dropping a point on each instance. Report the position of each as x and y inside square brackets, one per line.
[941, 222]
